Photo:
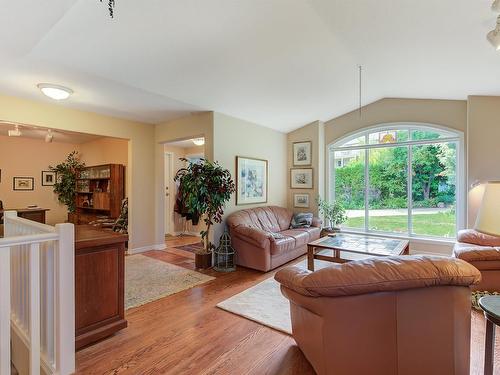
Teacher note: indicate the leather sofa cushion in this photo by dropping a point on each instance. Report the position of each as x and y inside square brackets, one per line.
[379, 275]
[475, 253]
[281, 245]
[301, 237]
[477, 238]
[269, 218]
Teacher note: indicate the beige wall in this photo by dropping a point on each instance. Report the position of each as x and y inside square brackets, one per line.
[483, 147]
[105, 151]
[314, 133]
[141, 172]
[447, 113]
[234, 137]
[32, 156]
[193, 126]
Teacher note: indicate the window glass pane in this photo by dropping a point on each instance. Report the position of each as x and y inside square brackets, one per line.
[350, 185]
[434, 189]
[388, 193]
[359, 141]
[388, 136]
[423, 134]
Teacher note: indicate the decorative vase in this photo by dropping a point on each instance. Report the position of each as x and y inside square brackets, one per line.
[203, 260]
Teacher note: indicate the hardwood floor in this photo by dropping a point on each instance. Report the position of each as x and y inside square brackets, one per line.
[186, 334]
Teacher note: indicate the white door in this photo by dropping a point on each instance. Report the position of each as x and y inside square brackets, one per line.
[168, 194]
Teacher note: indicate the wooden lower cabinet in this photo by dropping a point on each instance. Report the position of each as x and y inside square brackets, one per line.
[99, 284]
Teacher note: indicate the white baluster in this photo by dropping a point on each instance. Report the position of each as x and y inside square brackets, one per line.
[34, 308]
[5, 311]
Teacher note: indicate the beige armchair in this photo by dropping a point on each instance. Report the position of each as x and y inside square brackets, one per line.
[395, 315]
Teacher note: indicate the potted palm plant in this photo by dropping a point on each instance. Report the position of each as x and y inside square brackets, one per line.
[204, 188]
[65, 187]
[333, 212]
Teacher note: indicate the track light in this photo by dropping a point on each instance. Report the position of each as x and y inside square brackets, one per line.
[49, 136]
[16, 132]
[494, 35]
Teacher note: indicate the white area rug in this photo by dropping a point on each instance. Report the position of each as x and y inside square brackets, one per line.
[264, 303]
[148, 279]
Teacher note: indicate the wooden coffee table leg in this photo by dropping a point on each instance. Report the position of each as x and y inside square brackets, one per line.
[310, 258]
[489, 348]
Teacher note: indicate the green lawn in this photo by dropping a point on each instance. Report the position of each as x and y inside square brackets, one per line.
[439, 224]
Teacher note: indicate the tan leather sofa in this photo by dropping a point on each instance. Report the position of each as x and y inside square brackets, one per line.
[483, 252]
[397, 315]
[262, 238]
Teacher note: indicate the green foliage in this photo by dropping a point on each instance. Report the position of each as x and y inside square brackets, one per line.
[67, 172]
[206, 187]
[333, 212]
[433, 176]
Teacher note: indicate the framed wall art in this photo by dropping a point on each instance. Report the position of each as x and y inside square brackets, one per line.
[301, 200]
[23, 183]
[48, 178]
[251, 180]
[302, 153]
[301, 178]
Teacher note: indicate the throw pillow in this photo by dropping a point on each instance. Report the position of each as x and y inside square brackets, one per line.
[301, 220]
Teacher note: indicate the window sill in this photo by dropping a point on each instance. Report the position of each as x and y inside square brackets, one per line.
[423, 240]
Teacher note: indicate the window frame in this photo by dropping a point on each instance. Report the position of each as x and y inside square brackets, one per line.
[460, 193]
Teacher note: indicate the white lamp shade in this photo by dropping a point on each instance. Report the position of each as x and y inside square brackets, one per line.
[488, 218]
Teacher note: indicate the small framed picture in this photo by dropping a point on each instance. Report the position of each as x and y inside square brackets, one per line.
[23, 183]
[301, 200]
[302, 152]
[301, 178]
[251, 180]
[48, 178]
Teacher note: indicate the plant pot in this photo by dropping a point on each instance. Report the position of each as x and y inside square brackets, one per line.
[203, 260]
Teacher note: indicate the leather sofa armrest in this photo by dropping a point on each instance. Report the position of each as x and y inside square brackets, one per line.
[292, 278]
[477, 238]
[317, 222]
[255, 236]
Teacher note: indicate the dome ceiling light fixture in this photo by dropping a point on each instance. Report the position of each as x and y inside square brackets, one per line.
[55, 92]
[494, 36]
[111, 8]
[198, 141]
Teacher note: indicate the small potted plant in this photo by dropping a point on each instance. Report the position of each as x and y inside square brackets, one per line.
[205, 187]
[333, 212]
[65, 187]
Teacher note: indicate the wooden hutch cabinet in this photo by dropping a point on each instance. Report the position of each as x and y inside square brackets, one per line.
[100, 190]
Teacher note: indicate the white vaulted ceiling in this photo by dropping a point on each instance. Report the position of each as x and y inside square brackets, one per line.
[279, 63]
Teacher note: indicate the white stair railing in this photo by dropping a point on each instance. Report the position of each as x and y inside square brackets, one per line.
[37, 301]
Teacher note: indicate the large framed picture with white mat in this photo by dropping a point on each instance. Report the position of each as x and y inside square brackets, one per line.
[251, 180]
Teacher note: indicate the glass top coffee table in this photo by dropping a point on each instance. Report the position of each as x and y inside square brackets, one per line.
[354, 243]
[491, 308]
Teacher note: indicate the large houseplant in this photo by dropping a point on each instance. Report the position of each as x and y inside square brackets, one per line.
[333, 212]
[205, 187]
[65, 187]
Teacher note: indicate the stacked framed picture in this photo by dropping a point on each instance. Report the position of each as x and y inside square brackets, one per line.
[301, 175]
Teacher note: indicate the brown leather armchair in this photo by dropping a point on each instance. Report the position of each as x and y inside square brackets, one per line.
[396, 315]
[483, 252]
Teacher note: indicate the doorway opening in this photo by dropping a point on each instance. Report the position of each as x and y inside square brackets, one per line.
[180, 230]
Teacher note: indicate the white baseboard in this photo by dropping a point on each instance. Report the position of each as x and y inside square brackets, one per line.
[143, 249]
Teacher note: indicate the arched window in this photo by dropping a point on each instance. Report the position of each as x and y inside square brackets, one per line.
[400, 178]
